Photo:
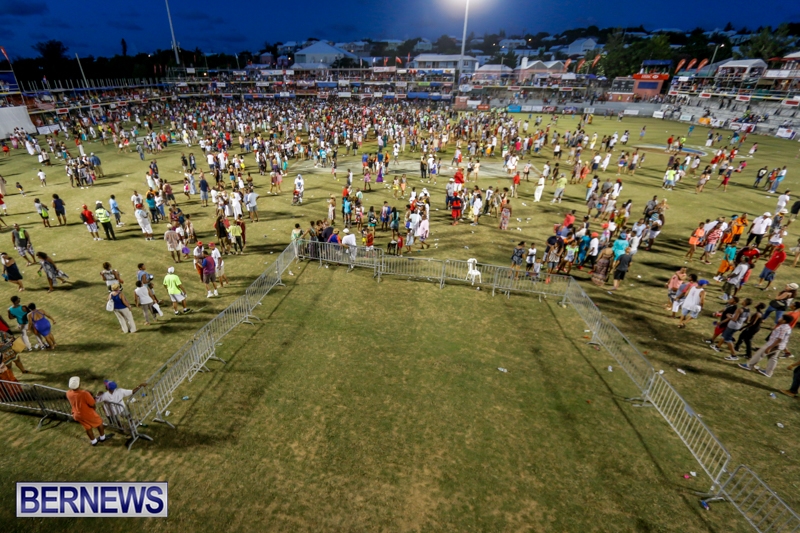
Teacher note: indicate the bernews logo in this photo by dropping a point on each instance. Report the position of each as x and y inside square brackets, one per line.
[107, 500]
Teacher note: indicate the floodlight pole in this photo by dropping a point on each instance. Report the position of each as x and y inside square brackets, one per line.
[172, 31]
[460, 68]
[85, 83]
[715, 52]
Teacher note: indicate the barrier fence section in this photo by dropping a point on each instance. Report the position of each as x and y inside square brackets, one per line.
[758, 504]
[655, 390]
[192, 357]
[158, 394]
[52, 403]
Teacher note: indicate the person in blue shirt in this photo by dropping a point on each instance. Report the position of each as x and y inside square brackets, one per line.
[620, 245]
[114, 206]
[60, 208]
[95, 161]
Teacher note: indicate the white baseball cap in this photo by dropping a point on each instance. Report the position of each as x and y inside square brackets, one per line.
[346, 230]
[171, 270]
[74, 382]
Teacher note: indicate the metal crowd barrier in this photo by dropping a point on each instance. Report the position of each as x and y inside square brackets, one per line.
[698, 438]
[627, 356]
[158, 394]
[758, 504]
[701, 442]
[50, 402]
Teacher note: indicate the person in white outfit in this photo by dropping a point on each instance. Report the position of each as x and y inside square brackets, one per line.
[537, 194]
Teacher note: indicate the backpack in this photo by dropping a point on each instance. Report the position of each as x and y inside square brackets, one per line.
[83, 218]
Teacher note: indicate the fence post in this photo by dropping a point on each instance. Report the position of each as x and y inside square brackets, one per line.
[570, 281]
[494, 281]
[444, 266]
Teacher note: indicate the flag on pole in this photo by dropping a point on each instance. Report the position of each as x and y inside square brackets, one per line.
[567, 64]
[580, 64]
[398, 60]
[408, 60]
[692, 63]
[5, 54]
[385, 60]
[702, 64]
[596, 60]
[681, 63]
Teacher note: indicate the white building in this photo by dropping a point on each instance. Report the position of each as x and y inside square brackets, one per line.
[424, 45]
[288, 47]
[492, 72]
[391, 44]
[443, 61]
[512, 43]
[354, 47]
[580, 47]
[321, 52]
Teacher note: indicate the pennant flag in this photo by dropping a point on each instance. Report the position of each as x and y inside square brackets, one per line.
[580, 64]
[681, 63]
[409, 58]
[596, 59]
[385, 60]
[5, 54]
[692, 63]
[702, 64]
[567, 64]
[360, 62]
[398, 60]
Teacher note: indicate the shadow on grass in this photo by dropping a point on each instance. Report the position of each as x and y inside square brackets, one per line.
[622, 405]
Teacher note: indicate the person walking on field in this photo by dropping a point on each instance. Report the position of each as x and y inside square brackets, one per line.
[210, 274]
[22, 242]
[83, 411]
[695, 239]
[175, 290]
[88, 219]
[693, 303]
[121, 308]
[776, 343]
[173, 241]
[102, 216]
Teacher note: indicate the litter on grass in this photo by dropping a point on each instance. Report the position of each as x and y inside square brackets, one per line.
[681, 371]
[501, 369]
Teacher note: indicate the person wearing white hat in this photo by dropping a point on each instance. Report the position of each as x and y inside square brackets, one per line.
[350, 245]
[759, 228]
[83, 411]
[175, 290]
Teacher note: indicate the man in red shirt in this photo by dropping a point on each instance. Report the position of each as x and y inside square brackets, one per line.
[91, 224]
[515, 185]
[768, 274]
[459, 179]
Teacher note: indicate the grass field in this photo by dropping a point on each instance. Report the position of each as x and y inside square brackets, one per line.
[349, 441]
[341, 421]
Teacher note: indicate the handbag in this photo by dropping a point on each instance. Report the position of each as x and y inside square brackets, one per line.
[778, 305]
[110, 305]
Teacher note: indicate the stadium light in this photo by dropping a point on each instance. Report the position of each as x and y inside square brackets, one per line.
[172, 31]
[715, 52]
[460, 63]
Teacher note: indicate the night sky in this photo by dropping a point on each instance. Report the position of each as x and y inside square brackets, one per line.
[96, 28]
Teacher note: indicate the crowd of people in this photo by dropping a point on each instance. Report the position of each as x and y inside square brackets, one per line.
[223, 145]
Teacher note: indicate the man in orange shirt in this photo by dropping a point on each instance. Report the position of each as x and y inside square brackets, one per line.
[83, 412]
